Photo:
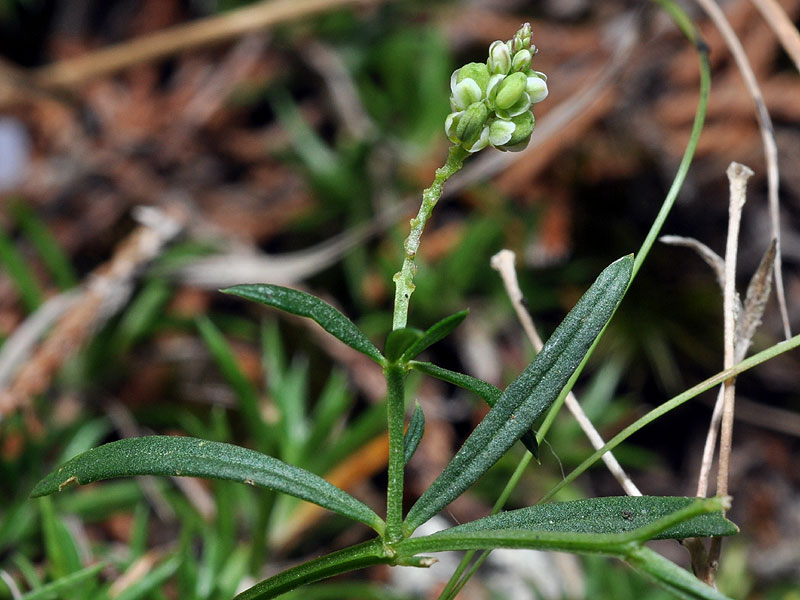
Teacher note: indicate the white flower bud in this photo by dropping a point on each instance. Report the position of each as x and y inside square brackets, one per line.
[499, 58]
[537, 89]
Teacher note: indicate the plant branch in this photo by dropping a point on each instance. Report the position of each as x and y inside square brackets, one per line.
[395, 414]
[404, 279]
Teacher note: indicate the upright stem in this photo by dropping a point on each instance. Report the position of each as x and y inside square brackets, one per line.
[395, 413]
[404, 279]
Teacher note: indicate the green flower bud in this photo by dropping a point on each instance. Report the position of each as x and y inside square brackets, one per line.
[520, 106]
[468, 85]
[470, 126]
[521, 61]
[523, 128]
[510, 90]
[475, 71]
[499, 58]
[521, 39]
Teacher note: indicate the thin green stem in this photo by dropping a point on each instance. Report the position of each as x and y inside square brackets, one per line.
[675, 402]
[404, 279]
[395, 414]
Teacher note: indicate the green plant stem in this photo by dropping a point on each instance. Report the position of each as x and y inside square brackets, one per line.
[654, 414]
[404, 279]
[395, 414]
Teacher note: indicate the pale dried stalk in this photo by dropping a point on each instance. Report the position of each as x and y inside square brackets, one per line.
[503, 262]
[767, 138]
[711, 444]
[738, 175]
[782, 25]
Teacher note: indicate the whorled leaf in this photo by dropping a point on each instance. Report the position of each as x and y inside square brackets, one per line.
[305, 305]
[192, 457]
[532, 393]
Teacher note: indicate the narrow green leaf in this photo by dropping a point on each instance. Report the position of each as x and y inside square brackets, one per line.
[436, 332]
[330, 408]
[526, 399]
[60, 547]
[672, 577]
[613, 514]
[192, 457]
[46, 245]
[13, 263]
[416, 427]
[305, 305]
[349, 559]
[246, 392]
[400, 340]
[485, 390]
[55, 589]
[151, 580]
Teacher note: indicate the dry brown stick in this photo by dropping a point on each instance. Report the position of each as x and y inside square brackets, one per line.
[203, 32]
[768, 140]
[503, 262]
[783, 27]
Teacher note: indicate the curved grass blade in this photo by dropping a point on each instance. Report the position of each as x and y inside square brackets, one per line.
[416, 427]
[56, 588]
[612, 514]
[484, 389]
[434, 333]
[526, 399]
[305, 305]
[192, 457]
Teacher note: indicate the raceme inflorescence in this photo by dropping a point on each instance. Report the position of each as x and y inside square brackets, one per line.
[492, 102]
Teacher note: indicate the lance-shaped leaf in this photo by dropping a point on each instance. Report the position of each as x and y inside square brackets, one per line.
[436, 332]
[305, 305]
[484, 389]
[532, 393]
[613, 514]
[192, 457]
[416, 427]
